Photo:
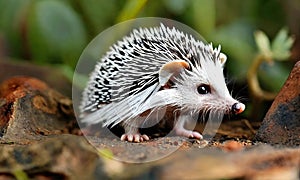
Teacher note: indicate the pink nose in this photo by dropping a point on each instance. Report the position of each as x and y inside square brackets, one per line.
[238, 108]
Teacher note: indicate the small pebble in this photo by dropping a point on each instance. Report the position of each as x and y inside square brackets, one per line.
[232, 146]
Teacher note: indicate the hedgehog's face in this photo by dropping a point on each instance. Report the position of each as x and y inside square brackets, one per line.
[204, 89]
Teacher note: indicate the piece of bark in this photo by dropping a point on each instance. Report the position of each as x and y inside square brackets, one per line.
[29, 109]
[281, 124]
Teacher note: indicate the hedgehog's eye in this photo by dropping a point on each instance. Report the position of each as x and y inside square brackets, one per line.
[203, 89]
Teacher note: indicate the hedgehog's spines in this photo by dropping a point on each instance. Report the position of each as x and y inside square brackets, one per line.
[131, 67]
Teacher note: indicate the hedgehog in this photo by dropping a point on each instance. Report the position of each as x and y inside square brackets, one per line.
[152, 72]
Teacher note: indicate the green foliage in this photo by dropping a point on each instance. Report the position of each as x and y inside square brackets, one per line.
[56, 32]
[274, 75]
[204, 13]
[279, 49]
[263, 43]
[12, 24]
[97, 14]
[281, 45]
[237, 43]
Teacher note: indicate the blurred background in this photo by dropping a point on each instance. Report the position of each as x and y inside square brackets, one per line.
[36, 35]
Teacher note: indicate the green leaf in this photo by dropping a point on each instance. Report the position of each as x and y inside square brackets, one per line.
[281, 45]
[263, 43]
[56, 32]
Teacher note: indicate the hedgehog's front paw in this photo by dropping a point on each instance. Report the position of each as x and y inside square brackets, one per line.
[134, 137]
[189, 134]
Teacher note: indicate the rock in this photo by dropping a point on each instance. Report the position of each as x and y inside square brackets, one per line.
[29, 109]
[59, 157]
[281, 124]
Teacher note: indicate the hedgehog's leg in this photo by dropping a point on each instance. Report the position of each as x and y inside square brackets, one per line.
[181, 131]
[132, 135]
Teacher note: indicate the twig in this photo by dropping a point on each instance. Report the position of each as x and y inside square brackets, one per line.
[249, 126]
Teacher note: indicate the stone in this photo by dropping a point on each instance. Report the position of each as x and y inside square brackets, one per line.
[30, 109]
[58, 157]
[281, 124]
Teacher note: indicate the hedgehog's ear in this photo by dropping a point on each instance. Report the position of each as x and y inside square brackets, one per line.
[222, 59]
[171, 69]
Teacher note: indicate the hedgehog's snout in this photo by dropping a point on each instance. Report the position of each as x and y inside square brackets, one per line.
[237, 108]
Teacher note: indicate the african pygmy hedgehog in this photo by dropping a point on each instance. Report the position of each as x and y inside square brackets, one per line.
[155, 68]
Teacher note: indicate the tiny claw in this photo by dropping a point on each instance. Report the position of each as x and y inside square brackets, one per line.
[145, 137]
[136, 138]
[123, 137]
[129, 137]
